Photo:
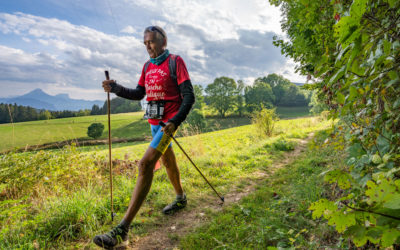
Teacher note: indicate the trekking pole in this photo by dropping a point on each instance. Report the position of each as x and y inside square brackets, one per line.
[198, 170]
[109, 147]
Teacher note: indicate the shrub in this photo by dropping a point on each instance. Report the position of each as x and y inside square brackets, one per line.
[284, 145]
[265, 120]
[196, 119]
[95, 130]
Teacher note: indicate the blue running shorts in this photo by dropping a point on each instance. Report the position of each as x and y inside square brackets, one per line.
[160, 140]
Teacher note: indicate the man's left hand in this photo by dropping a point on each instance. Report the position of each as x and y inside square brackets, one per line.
[169, 128]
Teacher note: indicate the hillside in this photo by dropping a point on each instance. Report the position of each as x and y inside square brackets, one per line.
[70, 201]
[124, 125]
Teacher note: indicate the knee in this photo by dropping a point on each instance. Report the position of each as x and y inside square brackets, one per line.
[146, 167]
[165, 162]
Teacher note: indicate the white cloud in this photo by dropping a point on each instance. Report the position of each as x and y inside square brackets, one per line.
[218, 19]
[82, 53]
[129, 30]
[231, 38]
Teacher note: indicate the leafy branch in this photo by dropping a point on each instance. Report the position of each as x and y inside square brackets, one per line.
[371, 212]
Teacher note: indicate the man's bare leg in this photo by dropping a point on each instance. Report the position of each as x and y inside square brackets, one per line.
[118, 237]
[169, 161]
[143, 183]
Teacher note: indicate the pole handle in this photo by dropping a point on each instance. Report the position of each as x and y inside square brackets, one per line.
[107, 75]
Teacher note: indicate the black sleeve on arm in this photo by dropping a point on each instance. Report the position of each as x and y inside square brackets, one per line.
[133, 94]
[187, 93]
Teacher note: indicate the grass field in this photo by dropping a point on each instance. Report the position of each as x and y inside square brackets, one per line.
[53, 199]
[292, 112]
[276, 216]
[125, 125]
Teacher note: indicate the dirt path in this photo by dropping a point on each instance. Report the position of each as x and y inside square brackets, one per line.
[171, 228]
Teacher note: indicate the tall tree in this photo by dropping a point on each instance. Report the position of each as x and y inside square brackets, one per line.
[221, 94]
[259, 95]
[95, 110]
[45, 115]
[121, 105]
[279, 85]
[199, 96]
[240, 101]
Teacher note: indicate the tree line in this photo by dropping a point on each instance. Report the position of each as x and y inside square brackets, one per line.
[18, 113]
[226, 95]
[223, 96]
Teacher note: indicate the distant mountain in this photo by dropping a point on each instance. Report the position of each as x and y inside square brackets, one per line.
[41, 100]
[299, 83]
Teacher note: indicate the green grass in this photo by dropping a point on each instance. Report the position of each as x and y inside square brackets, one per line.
[21, 134]
[292, 112]
[277, 214]
[54, 199]
[127, 125]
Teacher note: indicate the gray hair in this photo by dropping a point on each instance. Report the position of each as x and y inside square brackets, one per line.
[158, 31]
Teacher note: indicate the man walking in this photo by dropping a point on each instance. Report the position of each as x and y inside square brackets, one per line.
[165, 81]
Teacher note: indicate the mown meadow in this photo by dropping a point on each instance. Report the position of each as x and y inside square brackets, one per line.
[125, 125]
[21, 134]
[60, 199]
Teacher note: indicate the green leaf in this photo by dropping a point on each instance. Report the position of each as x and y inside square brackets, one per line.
[353, 35]
[381, 193]
[358, 8]
[392, 3]
[356, 47]
[358, 235]
[338, 74]
[374, 235]
[342, 178]
[355, 150]
[341, 53]
[391, 82]
[342, 220]
[389, 237]
[357, 68]
[383, 144]
[386, 47]
[396, 104]
[322, 207]
[393, 75]
[393, 203]
[340, 98]
[353, 93]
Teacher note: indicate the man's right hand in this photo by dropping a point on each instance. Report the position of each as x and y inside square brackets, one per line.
[107, 86]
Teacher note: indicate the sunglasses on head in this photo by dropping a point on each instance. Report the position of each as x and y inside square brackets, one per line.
[154, 28]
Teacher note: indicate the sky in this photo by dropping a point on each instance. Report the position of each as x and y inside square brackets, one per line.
[65, 46]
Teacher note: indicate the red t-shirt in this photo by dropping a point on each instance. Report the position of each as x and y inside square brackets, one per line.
[159, 86]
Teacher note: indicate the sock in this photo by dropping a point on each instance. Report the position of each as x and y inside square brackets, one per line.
[180, 197]
[124, 225]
